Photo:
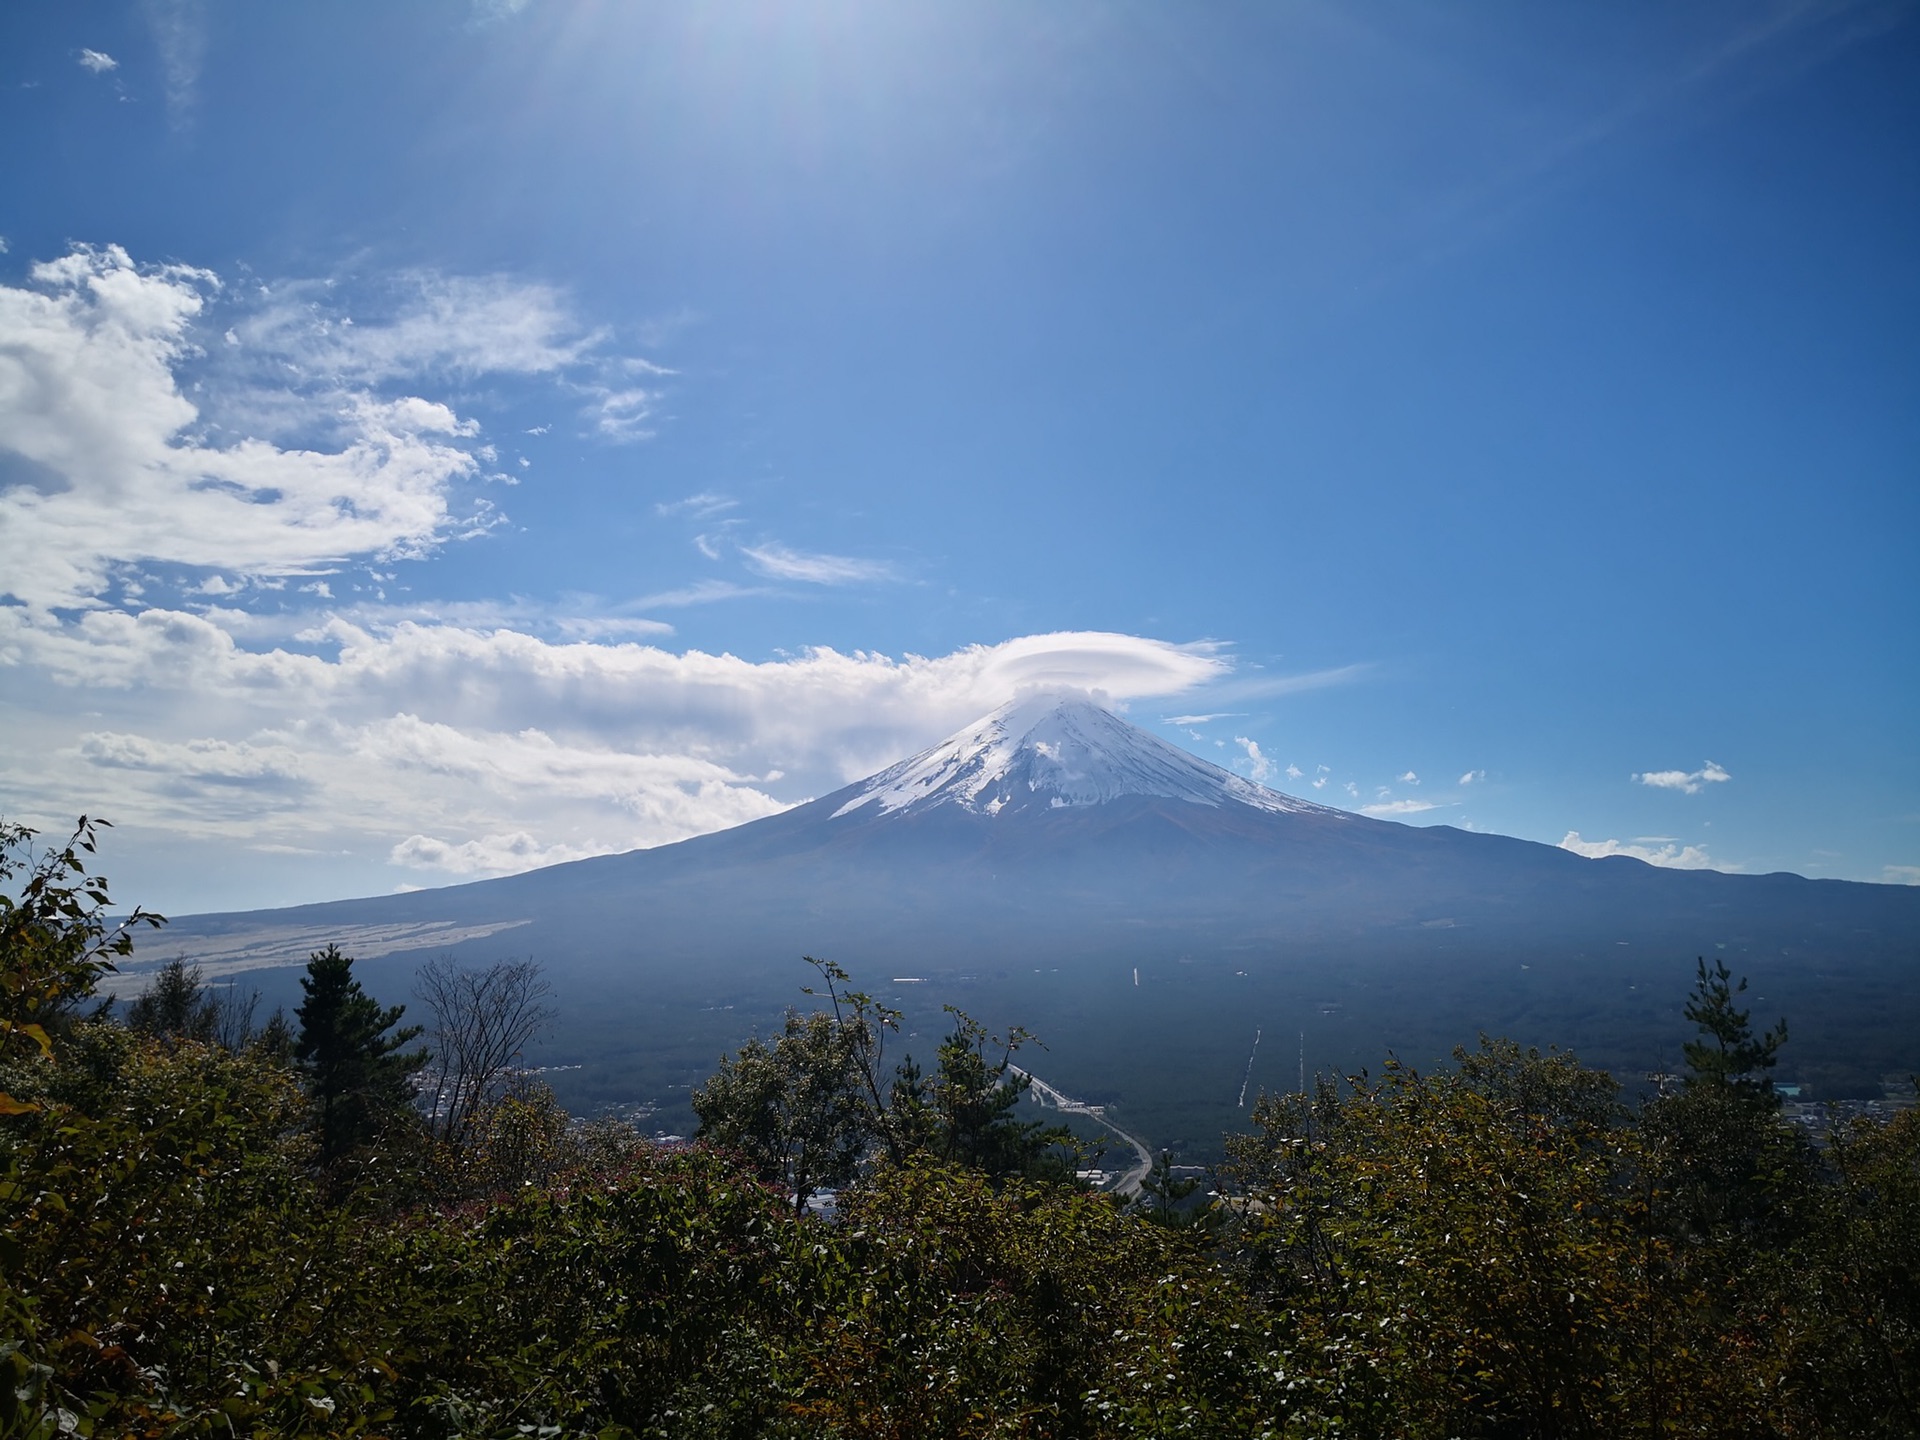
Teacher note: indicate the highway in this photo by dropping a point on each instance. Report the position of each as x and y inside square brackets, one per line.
[1130, 1182]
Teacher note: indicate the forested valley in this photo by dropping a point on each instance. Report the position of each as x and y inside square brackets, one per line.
[366, 1219]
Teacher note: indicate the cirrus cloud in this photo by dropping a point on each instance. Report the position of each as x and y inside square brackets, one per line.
[778, 562]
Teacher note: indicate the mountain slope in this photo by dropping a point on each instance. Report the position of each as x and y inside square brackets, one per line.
[1147, 914]
[1056, 751]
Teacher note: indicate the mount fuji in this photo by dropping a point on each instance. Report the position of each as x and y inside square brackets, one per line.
[1056, 751]
[1149, 915]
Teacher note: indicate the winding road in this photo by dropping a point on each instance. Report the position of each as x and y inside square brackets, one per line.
[1128, 1183]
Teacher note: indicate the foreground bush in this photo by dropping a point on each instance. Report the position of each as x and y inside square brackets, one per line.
[1502, 1249]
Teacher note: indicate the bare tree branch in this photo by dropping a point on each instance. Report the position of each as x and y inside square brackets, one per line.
[481, 1022]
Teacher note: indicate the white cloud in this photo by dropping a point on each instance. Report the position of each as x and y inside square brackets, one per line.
[98, 61]
[621, 415]
[1672, 856]
[362, 736]
[180, 34]
[1902, 874]
[1294, 772]
[1473, 777]
[489, 855]
[89, 400]
[468, 737]
[701, 592]
[1399, 807]
[1409, 778]
[1201, 719]
[780, 563]
[1259, 767]
[421, 322]
[1688, 782]
[697, 507]
[220, 761]
[298, 445]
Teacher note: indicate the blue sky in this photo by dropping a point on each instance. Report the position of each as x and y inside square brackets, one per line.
[437, 439]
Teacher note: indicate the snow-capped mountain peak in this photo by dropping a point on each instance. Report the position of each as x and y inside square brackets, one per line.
[1054, 750]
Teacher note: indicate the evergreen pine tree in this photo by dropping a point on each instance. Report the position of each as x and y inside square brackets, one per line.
[175, 1005]
[1732, 1170]
[357, 1074]
[1728, 1054]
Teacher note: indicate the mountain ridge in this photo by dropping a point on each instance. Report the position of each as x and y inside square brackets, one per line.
[1131, 929]
[1061, 749]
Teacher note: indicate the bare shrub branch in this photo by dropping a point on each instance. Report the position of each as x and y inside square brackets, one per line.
[481, 1021]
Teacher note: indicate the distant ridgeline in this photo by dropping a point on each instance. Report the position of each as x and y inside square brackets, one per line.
[352, 1220]
[1145, 914]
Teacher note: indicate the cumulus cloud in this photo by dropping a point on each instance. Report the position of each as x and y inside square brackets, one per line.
[1409, 778]
[1902, 874]
[117, 470]
[1294, 772]
[1671, 855]
[458, 737]
[98, 61]
[780, 563]
[1259, 767]
[362, 736]
[1473, 777]
[305, 446]
[1687, 782]
[489, 855]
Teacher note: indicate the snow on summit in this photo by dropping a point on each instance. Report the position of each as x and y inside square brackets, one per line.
[1055, 750]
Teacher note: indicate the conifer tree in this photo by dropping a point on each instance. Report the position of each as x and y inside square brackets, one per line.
[176, 1005]
[358, 1075]
[1728, 1054]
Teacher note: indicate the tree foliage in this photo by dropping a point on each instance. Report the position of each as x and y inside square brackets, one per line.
[1728, 1055]
[794, 1109]
[1503, 1247]
[811, 1109]
[358, 1075]
[176, 1004]
[57, 939]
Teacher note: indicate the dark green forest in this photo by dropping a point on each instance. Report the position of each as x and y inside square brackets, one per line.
[362, 1218]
